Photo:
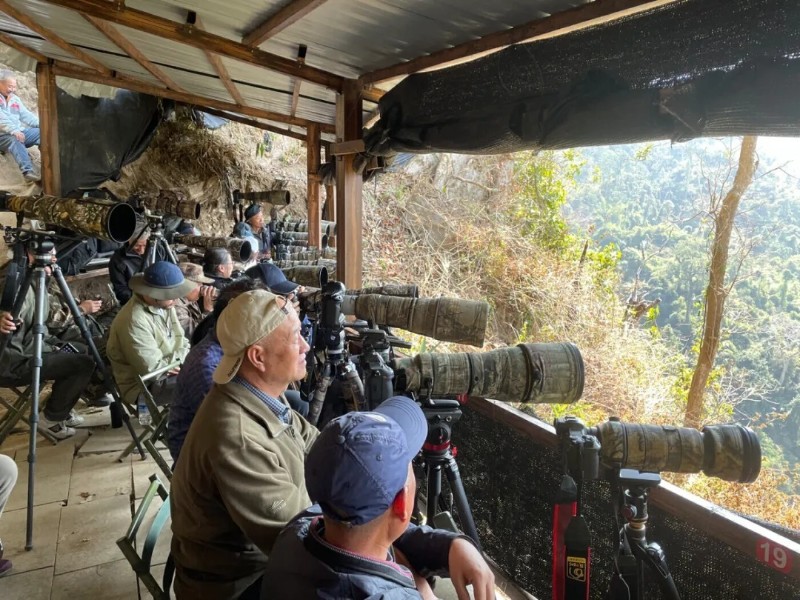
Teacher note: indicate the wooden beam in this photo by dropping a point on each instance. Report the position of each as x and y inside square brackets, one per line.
[20, 47]
[192, 36]
[329, 214]
[351, 147]
[372, 94]
[53, 38]
[313, 160]
[48, 127]
[349, 209]
[286, 16]
[124, 44]
[129, 83]
[253, 123]
[598, 9]
[219, 66]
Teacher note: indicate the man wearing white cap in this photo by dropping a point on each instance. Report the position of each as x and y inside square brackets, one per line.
[240, 477]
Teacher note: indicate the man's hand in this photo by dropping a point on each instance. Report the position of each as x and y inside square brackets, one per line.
[174, 371]
[468, 567]
[7, 323]
[89, 307]
[19, 135]
[207, 293]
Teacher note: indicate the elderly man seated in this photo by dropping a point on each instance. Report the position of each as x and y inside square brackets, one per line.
[198, 303]
[127, 260]
[240, 475]
[258, 229]
[352, 545]
[146, 334]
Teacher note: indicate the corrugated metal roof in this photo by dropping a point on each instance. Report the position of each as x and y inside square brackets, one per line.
[345, 37]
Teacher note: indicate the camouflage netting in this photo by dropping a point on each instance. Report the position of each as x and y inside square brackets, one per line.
[511, 483]
[689, 69]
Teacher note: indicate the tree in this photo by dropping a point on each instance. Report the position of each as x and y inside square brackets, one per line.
[717, 290]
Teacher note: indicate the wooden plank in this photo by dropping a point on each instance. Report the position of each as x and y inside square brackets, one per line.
[286, 16]
[372, 94]
[48, 127]
[755, 541]
[124, 44]
[313, 160]
[219, 67]
[349, 209]
[20, 47]
[599, 9]
[88, 275]
[351, 147]
[253, 123]
[53, 38]
[129, 83]
[192, 36]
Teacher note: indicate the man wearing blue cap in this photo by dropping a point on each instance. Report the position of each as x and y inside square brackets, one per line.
[359, 473]
[146, 334]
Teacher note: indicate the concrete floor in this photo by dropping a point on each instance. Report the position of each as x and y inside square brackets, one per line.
[84, 499]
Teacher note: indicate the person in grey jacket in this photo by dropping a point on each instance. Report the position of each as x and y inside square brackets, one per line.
[19, 127]
[357, 541]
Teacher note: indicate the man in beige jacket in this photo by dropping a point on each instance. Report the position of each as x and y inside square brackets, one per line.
[240, 477]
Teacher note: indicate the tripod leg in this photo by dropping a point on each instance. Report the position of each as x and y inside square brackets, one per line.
[168, 251]
[108, 380]
[40, 290]
[460, 497]
[434, 472]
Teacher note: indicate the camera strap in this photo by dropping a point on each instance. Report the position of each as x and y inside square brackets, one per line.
[571, 539]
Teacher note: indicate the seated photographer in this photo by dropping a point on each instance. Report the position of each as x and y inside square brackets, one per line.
[195, 379]
[218, 265]
[254, 218]
[240, 475]
[198, 303]
[128, 260]
[69, 371]
[146, 334]
[359, 473]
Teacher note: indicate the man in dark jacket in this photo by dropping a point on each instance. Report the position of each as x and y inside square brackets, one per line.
[126, 262]
[359, 473]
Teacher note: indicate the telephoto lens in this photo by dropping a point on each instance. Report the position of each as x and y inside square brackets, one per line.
[729, 452]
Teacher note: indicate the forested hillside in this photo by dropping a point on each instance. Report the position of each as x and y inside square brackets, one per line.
[653, 203]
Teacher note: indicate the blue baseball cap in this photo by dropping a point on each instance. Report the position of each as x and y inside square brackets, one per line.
[359, 462]
[273, 277]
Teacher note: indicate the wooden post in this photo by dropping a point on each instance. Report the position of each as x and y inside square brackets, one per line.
[48, 126]
[349, 210]
[313, 154]
[330, 210]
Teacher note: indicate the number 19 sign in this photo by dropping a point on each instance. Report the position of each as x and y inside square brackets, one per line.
[774, 555]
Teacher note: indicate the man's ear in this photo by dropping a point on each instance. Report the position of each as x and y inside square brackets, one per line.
[255, 355]
[403, 504]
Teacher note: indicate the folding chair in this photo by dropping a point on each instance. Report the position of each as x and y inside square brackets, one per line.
[159, 415]
[19, 409]
[141, 563]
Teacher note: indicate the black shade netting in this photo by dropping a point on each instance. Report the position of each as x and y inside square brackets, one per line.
[98, 136]
[688, 69]
[511, 483]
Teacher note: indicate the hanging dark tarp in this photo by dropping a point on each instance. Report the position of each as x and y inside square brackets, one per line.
[98, 136]
[688, 69]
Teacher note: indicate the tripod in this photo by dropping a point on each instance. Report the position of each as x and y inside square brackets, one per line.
[633, 550]
[438, 456]
[41, 247]
[156, 242]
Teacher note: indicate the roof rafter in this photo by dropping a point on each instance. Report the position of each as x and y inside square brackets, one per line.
[53, 38]
[20, 47]
[130, 83]
[598, 9]
[286, 16]
[192, 36]
[217, 63]
[124, 44]
[254, 123]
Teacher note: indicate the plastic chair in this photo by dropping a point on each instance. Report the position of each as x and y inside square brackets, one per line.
[141, 563]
